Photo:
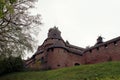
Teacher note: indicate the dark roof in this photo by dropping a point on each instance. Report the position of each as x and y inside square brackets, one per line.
[78, 52]
[75, 47]
[39, 52]
[68, 47]
[104, 43]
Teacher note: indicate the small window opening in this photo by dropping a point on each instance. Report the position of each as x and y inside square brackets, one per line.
[97, 48]
[115, 43]
[52, 49]
[106, 46]
[48, 50]
[58, 65]
[90, 50]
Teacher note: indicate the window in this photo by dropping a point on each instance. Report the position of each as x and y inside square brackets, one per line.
[90, 50]
[52, 49]
[115, 43]
[58, 65]
[76, 64]
[48, 50]
[97, 48]
[106, 46]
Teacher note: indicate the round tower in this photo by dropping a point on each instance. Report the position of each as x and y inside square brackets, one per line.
[54, 36]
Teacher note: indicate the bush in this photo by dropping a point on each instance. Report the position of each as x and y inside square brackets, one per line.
[11, 64]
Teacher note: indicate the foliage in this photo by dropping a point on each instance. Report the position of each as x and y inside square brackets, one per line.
[103, 71]
[17, 27]
[6, 4]
[11, 64]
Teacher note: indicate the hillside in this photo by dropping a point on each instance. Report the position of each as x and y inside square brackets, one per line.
[103, 71]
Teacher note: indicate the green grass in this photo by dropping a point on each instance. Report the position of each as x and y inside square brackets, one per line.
[103, 71]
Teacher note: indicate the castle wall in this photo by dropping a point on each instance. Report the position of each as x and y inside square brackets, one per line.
[104, 53]
[55, 53]
[59, 58]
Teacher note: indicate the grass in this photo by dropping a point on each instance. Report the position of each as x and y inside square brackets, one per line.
[101, 71]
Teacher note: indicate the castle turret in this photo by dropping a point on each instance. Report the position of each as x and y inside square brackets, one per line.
[99, 40]
[54, 33]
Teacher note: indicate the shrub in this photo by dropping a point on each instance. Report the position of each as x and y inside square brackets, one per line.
[11, 64]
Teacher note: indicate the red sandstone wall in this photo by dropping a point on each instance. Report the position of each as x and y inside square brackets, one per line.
[59, 58]
[111, 52]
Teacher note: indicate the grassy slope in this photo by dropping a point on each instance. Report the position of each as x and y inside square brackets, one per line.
[103, 71]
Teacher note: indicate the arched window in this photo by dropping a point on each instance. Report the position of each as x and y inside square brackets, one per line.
[58, 65]
[76, 64]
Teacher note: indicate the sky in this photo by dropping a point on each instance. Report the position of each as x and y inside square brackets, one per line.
[80, 21]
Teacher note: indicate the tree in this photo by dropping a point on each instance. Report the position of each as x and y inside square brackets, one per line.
[17, 27]
[6, 4]
[11, 64]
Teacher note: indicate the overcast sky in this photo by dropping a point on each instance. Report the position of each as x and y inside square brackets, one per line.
[80, 21]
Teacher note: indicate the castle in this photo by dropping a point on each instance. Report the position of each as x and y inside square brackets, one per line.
[56, 53]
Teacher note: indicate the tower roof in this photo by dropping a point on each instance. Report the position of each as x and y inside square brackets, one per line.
[54, 33]
[99, 40]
